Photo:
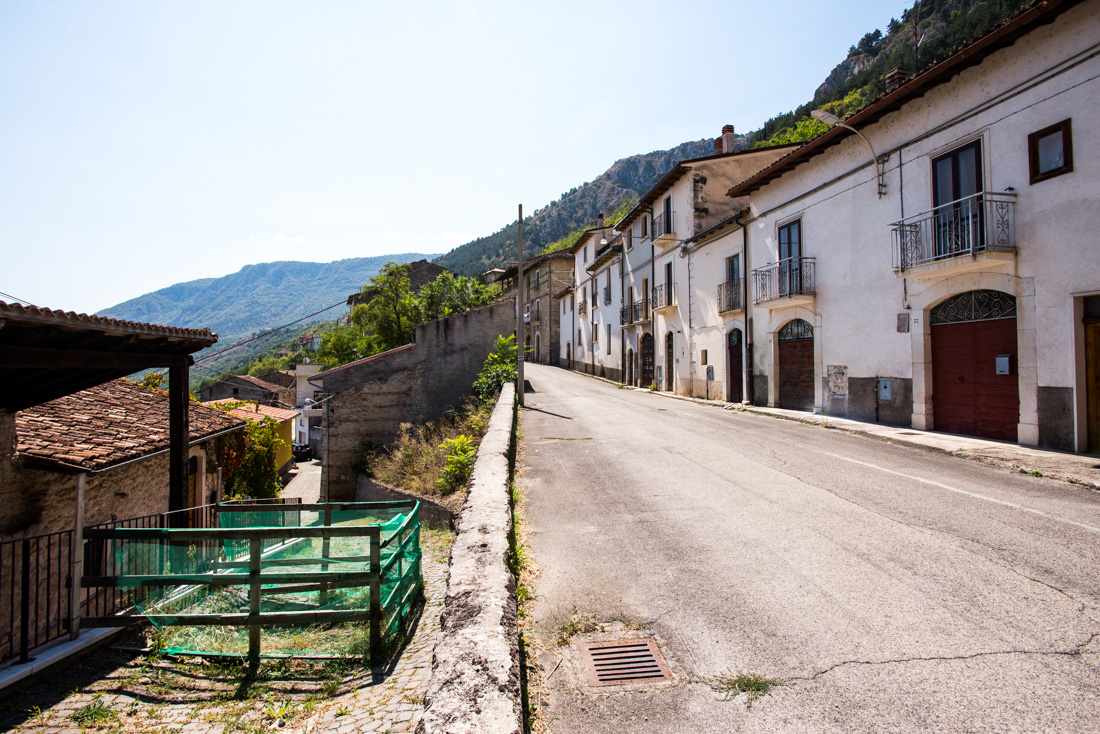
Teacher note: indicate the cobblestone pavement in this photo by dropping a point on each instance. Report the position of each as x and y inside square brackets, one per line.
[115, 690]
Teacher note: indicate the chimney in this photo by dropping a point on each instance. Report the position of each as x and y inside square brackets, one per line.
[718, 147]
[728, 138]
[599, 220]
[895, 78]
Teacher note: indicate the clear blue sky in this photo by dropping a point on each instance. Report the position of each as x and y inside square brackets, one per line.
[148, 143]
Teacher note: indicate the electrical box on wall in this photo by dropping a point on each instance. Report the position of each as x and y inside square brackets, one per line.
[710, 372]
[1004, 364]
[884, 390]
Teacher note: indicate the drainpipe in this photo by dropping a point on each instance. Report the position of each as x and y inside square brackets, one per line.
[749, 391]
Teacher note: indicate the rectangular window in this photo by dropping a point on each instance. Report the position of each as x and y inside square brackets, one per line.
[789, 276]
[704, 357]
[645, 226]
[628, 238]
[790, 240]
[733, 269]
[538, 309]
[1050, 151]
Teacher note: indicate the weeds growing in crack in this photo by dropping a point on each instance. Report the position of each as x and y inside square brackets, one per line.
[753, 685]
[576, 623]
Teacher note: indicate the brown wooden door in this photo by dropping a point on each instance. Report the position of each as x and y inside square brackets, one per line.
[736, 367]
[1092, 389]
[647, 360]
[796, 366]
[968, 396]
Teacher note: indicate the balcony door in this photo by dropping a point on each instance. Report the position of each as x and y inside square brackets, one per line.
[790, 258]
[957, 183]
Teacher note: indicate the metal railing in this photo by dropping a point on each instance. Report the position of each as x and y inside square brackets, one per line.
[36, 576]
[662, 224]
[635, 313]
[967, 226]
[791, 277]
[663, 295]
[731, 295]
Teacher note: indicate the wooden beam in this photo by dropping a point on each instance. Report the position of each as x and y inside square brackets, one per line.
[264, 619]
[50, 358]
[220, 534]
[179, 436]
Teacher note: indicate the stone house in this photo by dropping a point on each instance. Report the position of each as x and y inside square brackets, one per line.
[285, 427]
[543, 278]
[117, 435]
[249, 389]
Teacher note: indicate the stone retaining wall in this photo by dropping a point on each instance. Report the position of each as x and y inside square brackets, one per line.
[475, 682]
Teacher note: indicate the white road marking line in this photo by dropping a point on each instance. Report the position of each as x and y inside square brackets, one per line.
[975, 495]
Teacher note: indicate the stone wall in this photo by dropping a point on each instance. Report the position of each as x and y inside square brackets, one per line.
[370, 399]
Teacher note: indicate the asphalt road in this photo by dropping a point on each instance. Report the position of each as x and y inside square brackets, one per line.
[891, 588]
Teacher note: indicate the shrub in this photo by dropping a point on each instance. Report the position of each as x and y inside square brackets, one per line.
[460, 463]
[499, 367]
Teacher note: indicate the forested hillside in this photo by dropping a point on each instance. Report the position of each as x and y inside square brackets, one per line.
[256, 297]
[576, 209]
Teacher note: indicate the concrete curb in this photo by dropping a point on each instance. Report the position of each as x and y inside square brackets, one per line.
[474, 686]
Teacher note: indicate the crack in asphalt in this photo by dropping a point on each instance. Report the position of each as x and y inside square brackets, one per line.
[1073, 652]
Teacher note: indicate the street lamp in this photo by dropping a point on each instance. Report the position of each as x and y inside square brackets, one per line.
[880, 168]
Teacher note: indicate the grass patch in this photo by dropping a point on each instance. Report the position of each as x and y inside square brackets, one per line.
[576, 623]
[95, 713]
[753, 685]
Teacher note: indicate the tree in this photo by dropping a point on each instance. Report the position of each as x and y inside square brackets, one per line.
[391, 313]
[248, 459]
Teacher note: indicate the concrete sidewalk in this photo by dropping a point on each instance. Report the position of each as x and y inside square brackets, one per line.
[1080, 469]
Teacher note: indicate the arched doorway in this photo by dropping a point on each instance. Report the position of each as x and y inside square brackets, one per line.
[735, 392]
[796, 365]
[647, 360]
[629, 366]
[538, 347]
[670, 343]
[969, 332]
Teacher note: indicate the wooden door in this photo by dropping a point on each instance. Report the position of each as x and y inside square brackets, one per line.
[670, 344]
[1092, 388]
[968, 396]
[796, 366]
[736, 367]
[647, 360]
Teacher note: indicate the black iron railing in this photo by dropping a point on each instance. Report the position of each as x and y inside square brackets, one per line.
[731, 296]
[968, 226]
[662, 224]
[791, 277]
[36, 577]
[663, 296]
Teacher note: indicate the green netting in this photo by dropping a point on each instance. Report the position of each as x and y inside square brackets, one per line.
[196, 586]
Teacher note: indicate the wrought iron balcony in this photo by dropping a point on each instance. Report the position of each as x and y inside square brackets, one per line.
[607, 295]
[582, 308]
[731, 296]
[968, 228]
[635, 313]
[626, 315]
[662, 226]
[663, 296]
[789, 280]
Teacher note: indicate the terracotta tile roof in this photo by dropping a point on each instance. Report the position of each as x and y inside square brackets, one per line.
[108, 424]
[252, 411]
[71, 318]
[262, 384]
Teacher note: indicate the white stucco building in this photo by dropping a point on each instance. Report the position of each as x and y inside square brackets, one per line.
[961, 292]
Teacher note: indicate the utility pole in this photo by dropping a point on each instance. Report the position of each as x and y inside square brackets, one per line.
[519, 313]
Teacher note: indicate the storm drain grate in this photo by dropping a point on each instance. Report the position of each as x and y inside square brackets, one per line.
[623, 662]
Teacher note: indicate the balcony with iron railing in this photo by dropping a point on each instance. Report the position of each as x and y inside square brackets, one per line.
[788, 282]
[731, 296]
[635, 313]
[664, 296]
[663, 233]
[973, 233]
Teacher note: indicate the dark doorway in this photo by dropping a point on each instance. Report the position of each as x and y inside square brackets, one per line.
[647, 360]
[630, 367]
[969, 332]
[670, 343]
[796, 365]
[735, 392]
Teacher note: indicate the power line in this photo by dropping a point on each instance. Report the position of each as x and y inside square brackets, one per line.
[15, 298]
[269, 333]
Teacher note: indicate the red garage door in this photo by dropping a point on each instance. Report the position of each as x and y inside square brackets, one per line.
[969, 332]
[796, 365]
